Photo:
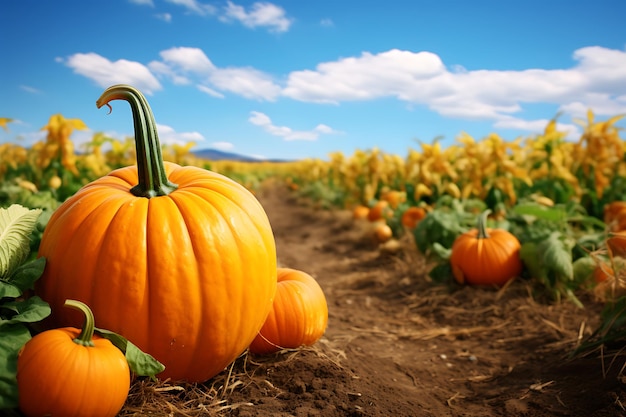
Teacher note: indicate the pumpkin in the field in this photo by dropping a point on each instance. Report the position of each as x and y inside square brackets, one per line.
[298, 317]
[181, 261]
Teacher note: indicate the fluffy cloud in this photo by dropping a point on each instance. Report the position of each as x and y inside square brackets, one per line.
[183, 64]
[194, 6]
[223, 146]
[262, 120]
[367, 77]
[261, 14]
[106, 73]
[168, 136]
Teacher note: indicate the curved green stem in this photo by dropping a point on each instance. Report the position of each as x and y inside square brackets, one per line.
[85, 338]
[481, 225]
[153, 179]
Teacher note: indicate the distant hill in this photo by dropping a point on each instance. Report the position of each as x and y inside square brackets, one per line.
[216, 155]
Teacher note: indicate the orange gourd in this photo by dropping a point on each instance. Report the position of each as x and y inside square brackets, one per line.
[360, 212]
[179, 260]
[380, 211]
[72, 372]
[382, 232]
[485, 256]
[412, 216]
[298, 317]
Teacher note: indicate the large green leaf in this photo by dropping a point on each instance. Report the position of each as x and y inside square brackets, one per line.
[16, 225]
[557, 255]
[25, 275]
[30, 310]
[13, 338]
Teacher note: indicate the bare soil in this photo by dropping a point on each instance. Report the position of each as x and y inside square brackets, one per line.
[399, 345]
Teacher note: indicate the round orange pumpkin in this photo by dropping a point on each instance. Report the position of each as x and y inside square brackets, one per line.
[412, 216]
[179, 260]
[380, 211]
[382, 232]
[485, 256]
[72, 372]
[298, 317]
[360, 212]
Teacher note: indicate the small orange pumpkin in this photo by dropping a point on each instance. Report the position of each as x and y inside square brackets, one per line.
[485, 256]
[382, 232]
[72, 372]
[360, 212]
[379, 211]
[412, 216]
[299, 315]
[616, 243]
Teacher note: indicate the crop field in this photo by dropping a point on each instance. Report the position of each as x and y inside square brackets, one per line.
[486, 278]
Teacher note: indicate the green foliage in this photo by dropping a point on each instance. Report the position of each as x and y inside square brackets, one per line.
[442, 225]
[612, 329]
[553, 239]
[17, 277]
[140, 363]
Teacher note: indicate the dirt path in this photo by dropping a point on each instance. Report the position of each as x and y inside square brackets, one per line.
[397, 345]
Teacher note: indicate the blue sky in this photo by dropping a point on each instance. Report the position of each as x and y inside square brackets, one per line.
[297, 79]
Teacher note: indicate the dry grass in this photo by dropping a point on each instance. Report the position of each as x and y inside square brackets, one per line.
[166, 398]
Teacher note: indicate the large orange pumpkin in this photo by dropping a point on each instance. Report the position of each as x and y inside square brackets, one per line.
[298, 317]
[485, 256]
[179, 260]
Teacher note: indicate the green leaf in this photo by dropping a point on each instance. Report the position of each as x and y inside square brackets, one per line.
[557, 255]
[583, 268]
[441, 273]
[30, 310]
[438, 226]
[12, 340]
[9, 290]
[441, 252]
[16, 225]
[25, 275]
[141, 363]
[530, 258]
[554, 214]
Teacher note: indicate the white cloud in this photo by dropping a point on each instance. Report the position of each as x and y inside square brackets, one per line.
[106, 73]
[223, 146]
[366, 77]
[246, 82]
[210, 91]
[597, 80]
[195, 7]
[188, 60]
[30, 89]
[327, 22]
[143, 2]
[167, 135]
[166, 17]
[263, 121]
[260, 14]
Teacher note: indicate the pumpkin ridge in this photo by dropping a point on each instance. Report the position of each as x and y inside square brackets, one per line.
[183, 202]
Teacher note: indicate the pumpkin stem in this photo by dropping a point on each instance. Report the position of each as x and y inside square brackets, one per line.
[85, 338]
[481, 225]
[153, 179]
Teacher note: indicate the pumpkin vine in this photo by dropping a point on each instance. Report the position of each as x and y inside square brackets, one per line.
[153, 179]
